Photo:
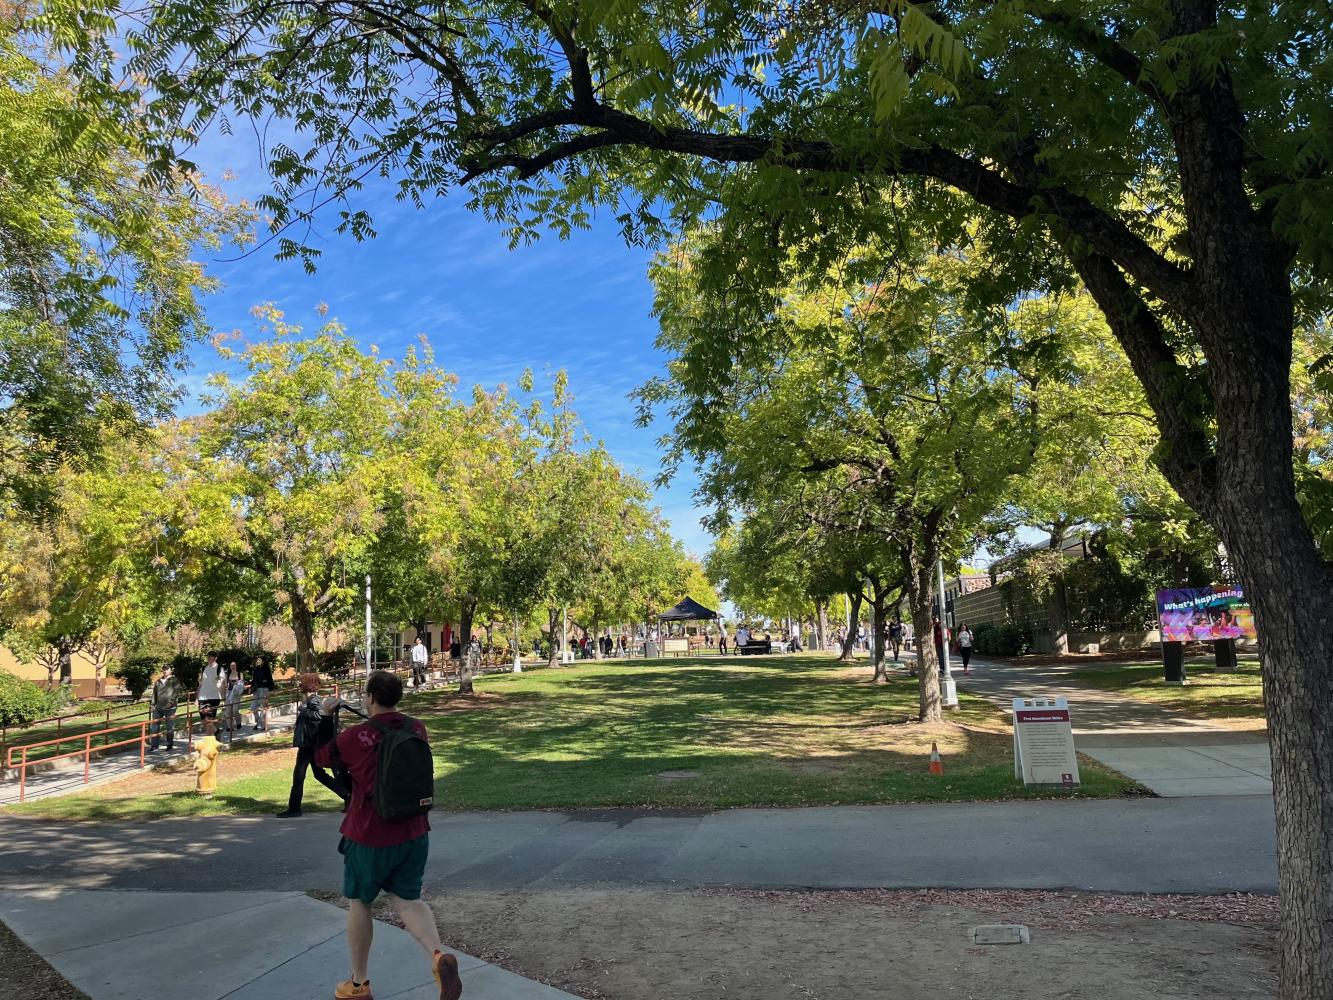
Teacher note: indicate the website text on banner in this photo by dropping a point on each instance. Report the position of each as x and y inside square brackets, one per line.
[1204, 614]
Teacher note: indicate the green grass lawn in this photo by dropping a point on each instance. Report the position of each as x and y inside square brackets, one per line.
[72, 728]
[687, 733]
[1208, 695]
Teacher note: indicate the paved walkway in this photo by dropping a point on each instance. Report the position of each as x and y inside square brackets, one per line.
[234, 945]
[66, 777]
[1219, 844]
[1168, 751]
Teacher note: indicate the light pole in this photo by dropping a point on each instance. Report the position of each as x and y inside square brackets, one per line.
[369, 640]
[948, 689]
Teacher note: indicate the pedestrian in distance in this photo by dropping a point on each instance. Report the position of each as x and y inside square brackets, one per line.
[420, 660]
[386, 833]
[896, 638]
[165, 697]
[315, 727]
[235, 692]
[209, 695]
[938, 630]
[261, 683]
[965, 646]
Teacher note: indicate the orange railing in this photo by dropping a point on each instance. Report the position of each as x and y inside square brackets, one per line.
[87, 752]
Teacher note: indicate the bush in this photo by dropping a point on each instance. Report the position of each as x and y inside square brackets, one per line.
[187, 667]
[1007, 639]
[334, 659]
[137, 672]
[22, 701]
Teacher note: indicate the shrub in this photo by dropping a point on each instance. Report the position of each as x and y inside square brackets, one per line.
[22, 701]
[187, 667]
[334, 659]
[137, 672]
[1007, 639]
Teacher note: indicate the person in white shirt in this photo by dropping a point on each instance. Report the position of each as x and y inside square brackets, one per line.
[420, 657]
[209, 696]
[965, 647]
[742, 638]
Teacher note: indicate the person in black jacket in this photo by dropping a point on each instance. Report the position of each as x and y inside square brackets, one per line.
[315, 726]
[261, 683]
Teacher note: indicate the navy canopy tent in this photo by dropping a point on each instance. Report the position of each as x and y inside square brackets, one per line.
[688, 611]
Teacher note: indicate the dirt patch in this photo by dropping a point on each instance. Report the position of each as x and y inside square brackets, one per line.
[876, 945]
[25, 976]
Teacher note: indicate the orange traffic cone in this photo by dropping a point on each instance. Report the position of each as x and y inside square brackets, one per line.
[936, 765]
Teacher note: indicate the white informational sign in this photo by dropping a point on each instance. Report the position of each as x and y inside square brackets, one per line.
[1044, 742]
[675, 645]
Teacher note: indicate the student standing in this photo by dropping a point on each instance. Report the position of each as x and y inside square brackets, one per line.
[420, 657]
[381, 854]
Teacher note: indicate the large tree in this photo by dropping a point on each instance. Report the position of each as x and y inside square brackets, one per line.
[1174, 154]
[275, 496]
[99, 282]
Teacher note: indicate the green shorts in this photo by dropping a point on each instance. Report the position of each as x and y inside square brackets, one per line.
[368, 871]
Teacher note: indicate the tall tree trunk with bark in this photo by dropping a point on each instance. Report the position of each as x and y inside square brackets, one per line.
[554, 623]
[850, 641]
[65, 650]
[468, 664]
[920, 560]
[821, 626]
[878, 630]
[303, 625]
[1057, 602]
[422, 628]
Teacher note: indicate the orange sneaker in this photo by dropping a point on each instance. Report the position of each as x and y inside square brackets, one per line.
[351, 991]
[446, 975]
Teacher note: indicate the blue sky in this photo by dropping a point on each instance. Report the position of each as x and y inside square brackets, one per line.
[583, 305]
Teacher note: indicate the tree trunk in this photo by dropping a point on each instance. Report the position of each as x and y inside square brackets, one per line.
[65, 650]
[557, 643]
[421, 625]
[303, 625]
[920, 593]
[468, 663]
[821, 612]
[1057, 604]
[877, 631]
[850, 640]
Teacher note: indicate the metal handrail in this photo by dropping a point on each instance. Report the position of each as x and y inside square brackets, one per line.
[87, 751]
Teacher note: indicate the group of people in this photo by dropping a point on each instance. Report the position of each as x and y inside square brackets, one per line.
[221, 690]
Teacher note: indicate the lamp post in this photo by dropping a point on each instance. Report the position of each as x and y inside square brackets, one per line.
[948, 689]
[368, 628]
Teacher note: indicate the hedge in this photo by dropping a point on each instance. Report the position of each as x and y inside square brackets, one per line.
[22, 701]
[137, 672]
[1007, 639]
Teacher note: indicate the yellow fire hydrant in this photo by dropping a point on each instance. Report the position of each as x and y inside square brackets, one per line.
[206, 765]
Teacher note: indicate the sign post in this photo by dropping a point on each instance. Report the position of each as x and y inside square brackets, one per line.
[1044, 742]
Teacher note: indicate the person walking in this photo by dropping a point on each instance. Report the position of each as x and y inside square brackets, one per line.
[965, 646]
[235, 692]
[314, 728]
[209, 696]
[420, 659]
[383, 855]
[261, 683]
[166, 696]
[939, 635]
[896, 638]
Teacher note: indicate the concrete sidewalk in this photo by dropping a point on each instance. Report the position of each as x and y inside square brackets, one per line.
[233, 945]
[1168, 751]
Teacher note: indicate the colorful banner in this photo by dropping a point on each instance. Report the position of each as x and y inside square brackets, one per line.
[1204, 614]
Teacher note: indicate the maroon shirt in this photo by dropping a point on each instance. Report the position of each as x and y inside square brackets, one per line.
[357, 748]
